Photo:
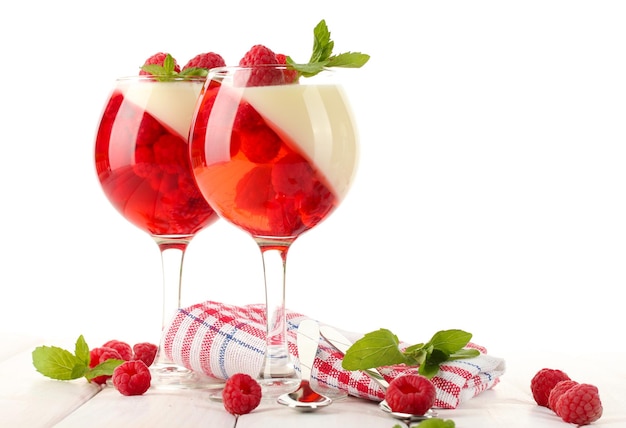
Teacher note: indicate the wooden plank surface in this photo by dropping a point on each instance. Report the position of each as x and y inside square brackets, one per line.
[28, 399]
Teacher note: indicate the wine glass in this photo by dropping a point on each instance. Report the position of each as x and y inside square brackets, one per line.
[274, 159]
[142, 162]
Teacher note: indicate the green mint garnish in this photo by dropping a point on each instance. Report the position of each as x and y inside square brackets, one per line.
[167, 71]
[381, 348]
[322, 56]
[61, 364]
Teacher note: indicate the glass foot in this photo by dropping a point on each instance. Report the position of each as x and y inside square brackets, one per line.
[172, 376]
[271, 389]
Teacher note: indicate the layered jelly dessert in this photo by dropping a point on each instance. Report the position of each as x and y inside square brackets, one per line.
[274, 160]
[142, 156]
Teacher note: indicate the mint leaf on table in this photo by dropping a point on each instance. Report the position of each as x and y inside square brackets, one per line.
[381, 348]
[81, 350]
[57, 363]
[60, 364]
[103, 369]
[435, 423]
[322, 56]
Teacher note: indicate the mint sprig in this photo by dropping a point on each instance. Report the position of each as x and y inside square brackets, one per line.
[61, 364]
[167, 71]
[322, 56]
[381, 348]
[432, 423]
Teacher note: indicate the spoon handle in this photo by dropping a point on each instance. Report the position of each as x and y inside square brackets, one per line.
[307, 340]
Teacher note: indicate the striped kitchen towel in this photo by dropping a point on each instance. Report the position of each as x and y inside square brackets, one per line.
[220, 340]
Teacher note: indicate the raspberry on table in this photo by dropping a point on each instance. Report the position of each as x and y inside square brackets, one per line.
[558, 390]
[100, 355]
[580, 405]
[411, 393]
[132, 378]
[543, 382]
[123, 348]
[206, 60]
[157, 59]
[145, 352]
[241, 394]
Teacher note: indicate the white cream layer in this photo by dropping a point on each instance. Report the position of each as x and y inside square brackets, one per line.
[172, 103]
[318, 119]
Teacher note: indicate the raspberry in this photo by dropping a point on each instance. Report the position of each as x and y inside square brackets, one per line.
[170, 152]
[316, 206]
[157, 59]
[249, 193]
[260, 145]
[543, 382]
[260, 55]
[290, 76]
[206, 60]
[247, 117]
[293, 174]
[580, 405]
[145, 352]
[411, 393]
[100, 355]
[558, 390]
[123, 348]
[132, 377]
[241, 394]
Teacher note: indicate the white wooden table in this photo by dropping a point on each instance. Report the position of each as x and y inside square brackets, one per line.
[28, 399]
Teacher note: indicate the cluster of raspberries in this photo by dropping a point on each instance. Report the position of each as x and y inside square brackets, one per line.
[206, 60]
[132, 377]
[256, 56]
[576, 403]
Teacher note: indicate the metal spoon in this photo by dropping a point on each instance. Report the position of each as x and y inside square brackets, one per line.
[341, 343]
[305, 399]
[406, 417]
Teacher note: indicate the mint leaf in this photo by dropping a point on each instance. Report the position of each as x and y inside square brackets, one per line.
[375, 349]
[322, 56]
[307, 70]
[167, 71]
[381, 348]
[322, 45]
[58, 363]
[348, 60]
[432, 423]
[105, 368]
[169, 64]
[450, 341]
[154, 69]
[194, 71]
[436, 423]
[81, 350]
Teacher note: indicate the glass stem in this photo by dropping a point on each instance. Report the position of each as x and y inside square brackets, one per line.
[277, 374]
[172, 257]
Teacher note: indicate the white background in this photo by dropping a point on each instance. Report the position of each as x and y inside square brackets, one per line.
[491, 192]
